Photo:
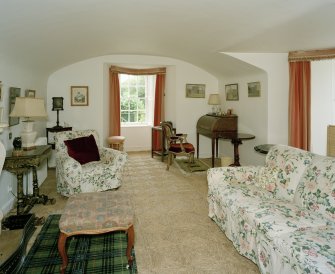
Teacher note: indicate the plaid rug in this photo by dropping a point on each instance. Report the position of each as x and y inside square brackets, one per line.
[104, 253]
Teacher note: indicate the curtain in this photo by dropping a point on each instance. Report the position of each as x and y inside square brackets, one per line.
[159, 109]
[114, 102]
[300, 104]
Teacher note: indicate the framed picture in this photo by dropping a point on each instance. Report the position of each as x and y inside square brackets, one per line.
[79, 95]
[30, 93]
[231, 92]
[254, 89]
[195, 90]
[13, 93]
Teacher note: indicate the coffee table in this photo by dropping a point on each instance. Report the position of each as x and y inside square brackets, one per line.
[96, 213]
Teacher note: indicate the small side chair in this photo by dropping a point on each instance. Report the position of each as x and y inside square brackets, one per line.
[177, 145]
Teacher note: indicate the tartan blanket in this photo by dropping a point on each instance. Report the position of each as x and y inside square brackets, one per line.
[103, 253]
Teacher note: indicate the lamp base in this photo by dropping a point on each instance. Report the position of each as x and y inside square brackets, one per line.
[28, 136]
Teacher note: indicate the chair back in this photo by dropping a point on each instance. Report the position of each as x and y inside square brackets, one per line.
[331, 140]
[62, 136]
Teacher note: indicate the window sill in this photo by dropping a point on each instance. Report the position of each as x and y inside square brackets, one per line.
[138, 126]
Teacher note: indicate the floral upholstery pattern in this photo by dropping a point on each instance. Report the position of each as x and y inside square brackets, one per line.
[72, 177]
[293, 232]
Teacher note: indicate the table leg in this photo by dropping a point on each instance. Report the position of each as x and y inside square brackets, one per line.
[36, 191]
[20, 197]
[213, 149]
[62, 251]
[130, 245]
[236, 143]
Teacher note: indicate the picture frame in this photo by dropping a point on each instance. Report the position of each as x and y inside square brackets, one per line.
[79, 95]
[195, 90]
[231, 92]
[30, 93]
[254, 89]
[13, 93]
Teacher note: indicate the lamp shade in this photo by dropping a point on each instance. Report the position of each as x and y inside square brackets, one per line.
[29, 107]
[57, 103]
[214, 99]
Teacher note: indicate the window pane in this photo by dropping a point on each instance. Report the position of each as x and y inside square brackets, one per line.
[133, 103]
[132, 91]
[124, 92]
[132, 116]
[141, 80]
[124, 116]
[132, 80]
[141, 104]
[124, 104]
[141, 92]
[141, 116]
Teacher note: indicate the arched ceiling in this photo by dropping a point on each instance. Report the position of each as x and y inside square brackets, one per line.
[50, 34]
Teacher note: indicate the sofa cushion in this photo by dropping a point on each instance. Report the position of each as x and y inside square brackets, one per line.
[83, 149]
[291, 164]
[267, 178]
[316, 191]
[309, 250]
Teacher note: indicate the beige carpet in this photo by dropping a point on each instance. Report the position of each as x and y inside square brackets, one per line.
[173, 233]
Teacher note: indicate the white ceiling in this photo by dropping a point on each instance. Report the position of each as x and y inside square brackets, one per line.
[49, 34]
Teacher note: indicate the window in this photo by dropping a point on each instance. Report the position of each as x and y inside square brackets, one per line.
[137, 99]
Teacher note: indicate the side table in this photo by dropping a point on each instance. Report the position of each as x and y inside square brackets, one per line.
[18, 165]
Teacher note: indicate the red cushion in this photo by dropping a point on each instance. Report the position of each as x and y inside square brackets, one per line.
[83, 149]
[177, 148]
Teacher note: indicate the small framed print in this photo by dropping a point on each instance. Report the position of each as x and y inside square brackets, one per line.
[79, 95]
[13, 93]
[254, 89]
[30, 93]
[231, 92]
[195, 90]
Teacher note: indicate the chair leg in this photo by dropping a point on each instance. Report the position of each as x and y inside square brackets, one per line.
[168, 162]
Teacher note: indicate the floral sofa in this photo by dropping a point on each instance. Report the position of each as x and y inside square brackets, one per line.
[73, 177]
[281, 215]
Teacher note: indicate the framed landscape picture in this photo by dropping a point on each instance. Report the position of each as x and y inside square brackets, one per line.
[79, 95]
[195, 90]
[231, 92]
[13, 93]
[254, 89]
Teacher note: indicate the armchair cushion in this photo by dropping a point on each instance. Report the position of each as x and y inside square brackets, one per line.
[83, 149]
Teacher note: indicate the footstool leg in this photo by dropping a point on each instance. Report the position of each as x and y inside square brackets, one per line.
[62, 252]
[130, 245]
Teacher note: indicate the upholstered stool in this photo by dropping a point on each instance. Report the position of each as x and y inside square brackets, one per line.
[116, 142]
[96, 213]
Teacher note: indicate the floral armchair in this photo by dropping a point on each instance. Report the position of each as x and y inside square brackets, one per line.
[73, 177]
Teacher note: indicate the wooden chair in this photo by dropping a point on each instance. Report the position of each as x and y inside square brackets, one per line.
[177, 144]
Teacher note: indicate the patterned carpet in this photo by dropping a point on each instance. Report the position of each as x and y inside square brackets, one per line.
[104, 253]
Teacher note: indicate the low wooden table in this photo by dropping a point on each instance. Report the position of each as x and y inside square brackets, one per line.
[96, 213]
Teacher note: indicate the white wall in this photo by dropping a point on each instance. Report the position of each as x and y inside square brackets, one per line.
[13, 75]
[267, 116]
[183, 112]
[322, 103]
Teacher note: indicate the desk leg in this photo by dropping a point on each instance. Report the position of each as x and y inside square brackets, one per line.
[36, 191]
[213, 150]
[20, 197]
[236, 143]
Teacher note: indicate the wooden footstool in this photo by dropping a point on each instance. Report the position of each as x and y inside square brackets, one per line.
[96, 213]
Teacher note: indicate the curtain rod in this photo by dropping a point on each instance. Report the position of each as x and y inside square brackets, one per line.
[311, 55]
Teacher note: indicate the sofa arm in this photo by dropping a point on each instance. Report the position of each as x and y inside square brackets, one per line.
[112, 156]
[238, 175]
[69, 166]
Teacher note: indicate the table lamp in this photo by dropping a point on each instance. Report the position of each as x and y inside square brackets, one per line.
[28, 108]
[57, 105]
[214, 100]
